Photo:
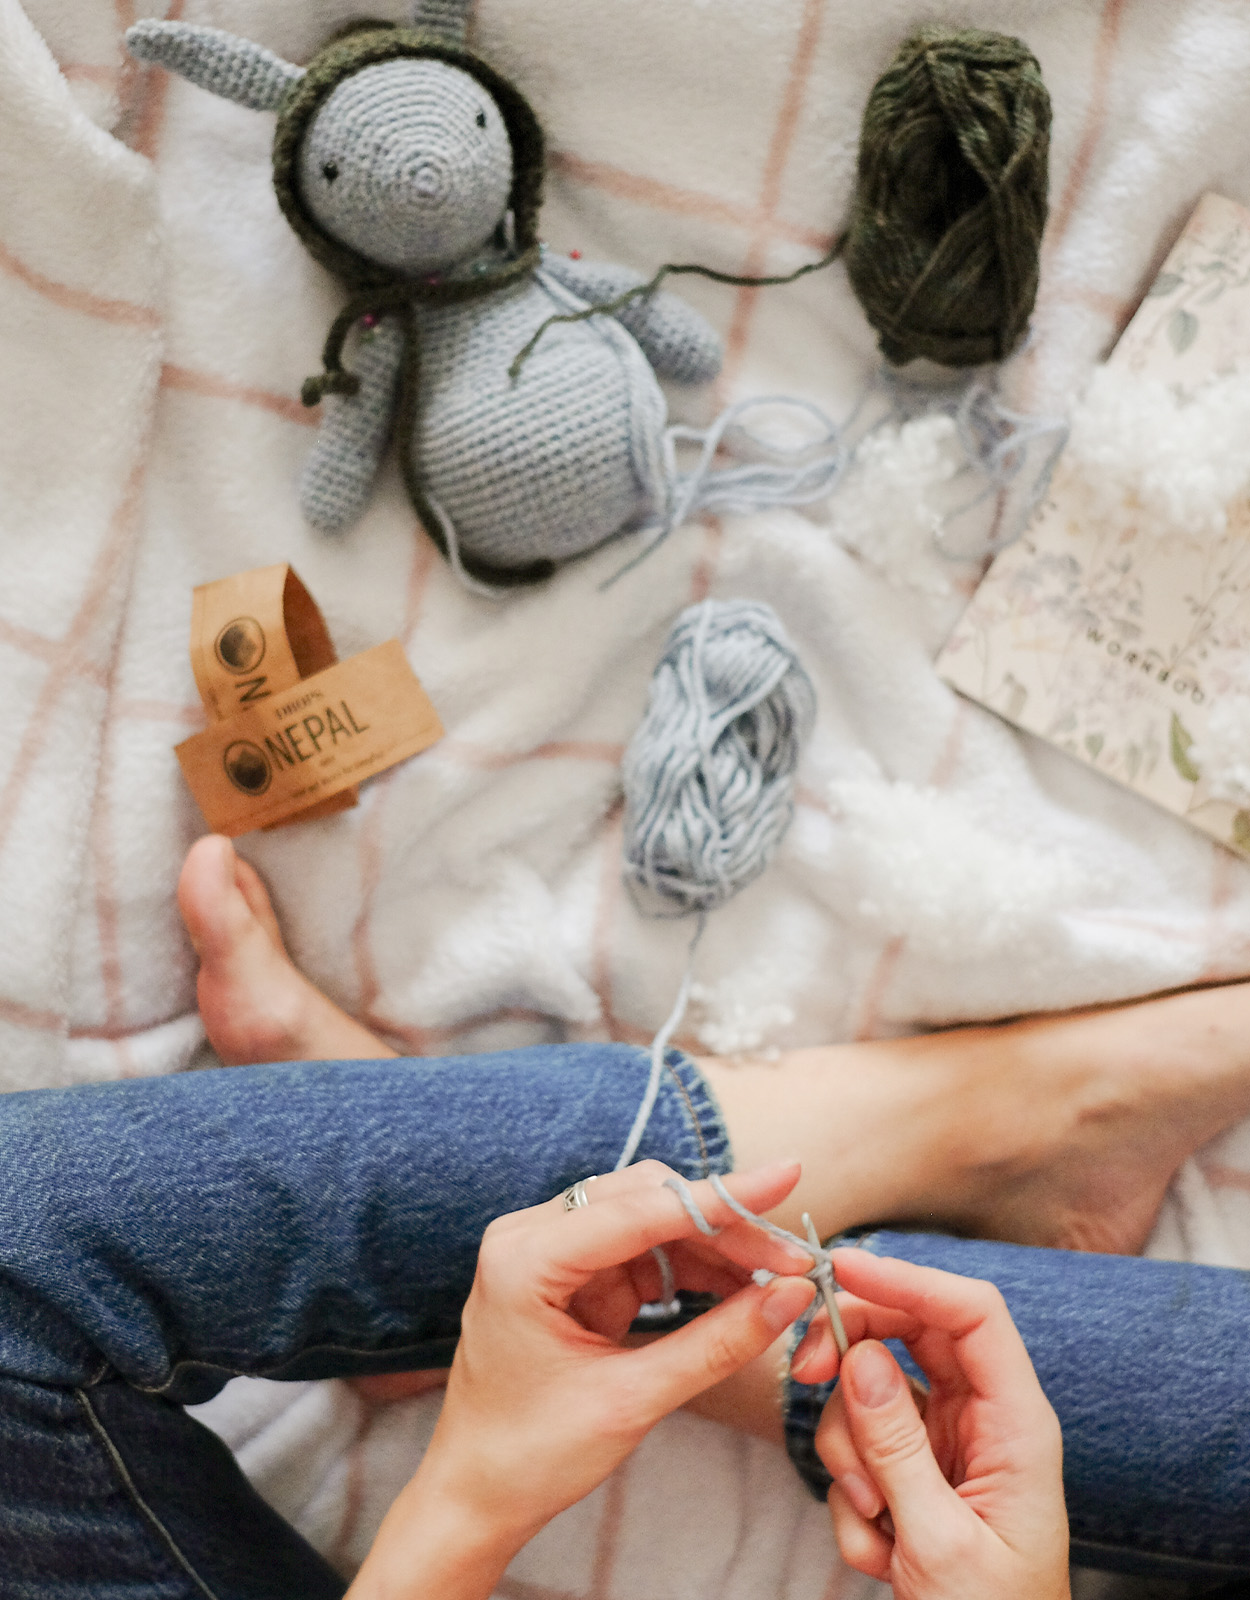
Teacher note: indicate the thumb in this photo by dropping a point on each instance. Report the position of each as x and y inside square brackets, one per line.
[890, 1437]
[719, 1343]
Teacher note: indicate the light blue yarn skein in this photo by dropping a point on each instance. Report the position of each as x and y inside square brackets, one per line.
[709, 776]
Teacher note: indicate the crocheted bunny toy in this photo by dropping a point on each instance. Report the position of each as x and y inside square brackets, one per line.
[413, 171]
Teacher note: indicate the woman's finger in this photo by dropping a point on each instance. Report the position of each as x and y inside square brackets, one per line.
[719, 1343]
[697, 1276]
[753, 1188]
[836, 1448]
[890, 1439]
[816, 1360]
[863, 1545]
[619, 1223]
[988, 1351]
[609, 1303]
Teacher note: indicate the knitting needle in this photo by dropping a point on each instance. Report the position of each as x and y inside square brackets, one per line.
[826, 1289]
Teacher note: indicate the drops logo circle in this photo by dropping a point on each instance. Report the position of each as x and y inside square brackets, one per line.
[247, 767]
[240, 645]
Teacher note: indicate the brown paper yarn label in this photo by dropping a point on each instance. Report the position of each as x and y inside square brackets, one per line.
[296, 730]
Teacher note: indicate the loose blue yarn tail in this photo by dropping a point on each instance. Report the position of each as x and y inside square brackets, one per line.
[780, 475]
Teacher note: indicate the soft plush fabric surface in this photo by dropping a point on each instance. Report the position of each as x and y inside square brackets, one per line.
[158, 318]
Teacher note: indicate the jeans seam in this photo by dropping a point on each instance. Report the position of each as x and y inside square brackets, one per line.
[181, 1367]
[99, 1375]
[132, 1490]
[704, 1142]
[1134, 1544]
[691, 1112]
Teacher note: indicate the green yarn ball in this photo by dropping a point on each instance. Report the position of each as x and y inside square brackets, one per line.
[946, 225]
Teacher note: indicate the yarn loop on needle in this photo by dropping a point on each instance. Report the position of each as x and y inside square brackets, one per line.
[821, 1273]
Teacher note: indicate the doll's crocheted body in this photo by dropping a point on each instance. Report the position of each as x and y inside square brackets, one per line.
[413, 171]
[552, 463]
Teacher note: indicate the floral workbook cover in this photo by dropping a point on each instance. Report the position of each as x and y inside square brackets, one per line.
[1118, 626]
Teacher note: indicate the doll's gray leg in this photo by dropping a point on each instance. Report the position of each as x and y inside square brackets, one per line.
[679, 343]
[339, 474]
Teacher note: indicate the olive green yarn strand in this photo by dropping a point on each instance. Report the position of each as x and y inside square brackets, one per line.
[334, 379]
[670, 269]
[950, 203]
[396, 296]
[943, 244]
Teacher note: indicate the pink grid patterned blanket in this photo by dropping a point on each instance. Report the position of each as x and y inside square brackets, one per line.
[158, 319]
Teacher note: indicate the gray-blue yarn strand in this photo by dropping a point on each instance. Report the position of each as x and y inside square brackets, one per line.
[769, 475]
[709, 781]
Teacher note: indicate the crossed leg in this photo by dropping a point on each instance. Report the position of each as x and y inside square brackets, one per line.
[1061, 1130]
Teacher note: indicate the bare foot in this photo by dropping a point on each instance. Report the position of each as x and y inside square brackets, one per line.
[1121, 1098]
[256, 1005]
[1063, 1130]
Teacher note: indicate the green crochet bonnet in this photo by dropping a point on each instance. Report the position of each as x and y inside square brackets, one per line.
[363, 44]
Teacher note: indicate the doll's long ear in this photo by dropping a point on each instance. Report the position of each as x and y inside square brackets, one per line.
[449, 19]
[217, 61]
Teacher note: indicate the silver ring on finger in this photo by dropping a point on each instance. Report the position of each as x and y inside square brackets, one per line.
[575, 1195]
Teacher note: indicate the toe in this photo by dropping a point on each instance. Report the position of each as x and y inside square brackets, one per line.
[209, 896]
[252, 888]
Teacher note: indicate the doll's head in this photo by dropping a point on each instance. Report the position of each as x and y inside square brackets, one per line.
[398, 152]
[408, 163]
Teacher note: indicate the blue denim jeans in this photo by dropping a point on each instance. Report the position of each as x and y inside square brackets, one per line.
[1147, 1364]
[158, 1237]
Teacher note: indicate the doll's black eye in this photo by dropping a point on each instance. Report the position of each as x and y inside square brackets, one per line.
[481, 119]
[330, 171]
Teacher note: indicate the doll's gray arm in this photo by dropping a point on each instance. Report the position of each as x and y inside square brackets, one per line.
[678, 342]
[338, 475]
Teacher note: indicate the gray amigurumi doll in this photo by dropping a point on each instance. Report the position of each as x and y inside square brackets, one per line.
[413, 171]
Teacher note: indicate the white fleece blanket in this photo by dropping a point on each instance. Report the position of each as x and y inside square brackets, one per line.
[157, 320]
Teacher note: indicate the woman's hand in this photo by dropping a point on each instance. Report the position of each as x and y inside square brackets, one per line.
[545, 1398]
[963, 1495]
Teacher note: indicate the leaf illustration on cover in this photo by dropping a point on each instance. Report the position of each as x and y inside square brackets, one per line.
[1182, 329]
[1241, 831]
[1093, 743]
[1180, 743]
[1165, 283]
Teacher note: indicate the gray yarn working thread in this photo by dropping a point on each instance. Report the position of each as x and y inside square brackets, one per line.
[821, 1273]
[1001, 443]
[1013, 453]
[709, 776]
